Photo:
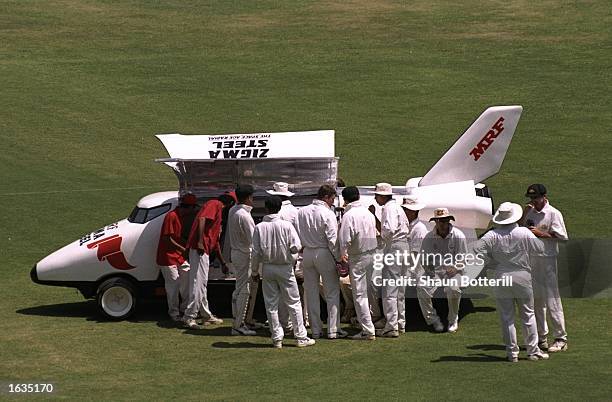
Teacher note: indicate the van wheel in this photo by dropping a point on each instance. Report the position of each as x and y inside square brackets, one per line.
[116, 298]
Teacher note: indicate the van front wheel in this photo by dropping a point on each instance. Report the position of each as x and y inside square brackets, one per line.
[116, 298]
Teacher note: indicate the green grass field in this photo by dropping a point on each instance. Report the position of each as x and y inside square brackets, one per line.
[86, 85]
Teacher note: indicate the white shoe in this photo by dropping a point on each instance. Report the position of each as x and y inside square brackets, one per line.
[277, 344]
[387, 334]
[191, 324]
[362, 336]
[437, 326]
[212, 320]
[244, 331]
[513, 359]
[401, 330]
[558, 346]
[302, 343]
[538, 356]
[337, 335]
[453, 327]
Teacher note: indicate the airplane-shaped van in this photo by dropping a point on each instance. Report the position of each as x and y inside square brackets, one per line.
[116, 264]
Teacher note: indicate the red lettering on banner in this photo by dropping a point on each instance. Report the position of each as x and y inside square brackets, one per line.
[487, 140]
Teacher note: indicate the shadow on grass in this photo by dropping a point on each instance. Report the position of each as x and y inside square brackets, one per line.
[88, 309]
[242, 345]
[85, 309]
[224, 331]
[486, 347]
[476, 358]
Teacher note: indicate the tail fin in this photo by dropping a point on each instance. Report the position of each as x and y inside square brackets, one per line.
[478, 154]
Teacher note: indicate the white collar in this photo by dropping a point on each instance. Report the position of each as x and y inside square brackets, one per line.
[247, 208]
[270, 217]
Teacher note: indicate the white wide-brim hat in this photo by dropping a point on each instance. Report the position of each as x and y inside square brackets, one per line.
[383, 189]
[441, 213]
[280, 188]
[507, 213]
[412, 203]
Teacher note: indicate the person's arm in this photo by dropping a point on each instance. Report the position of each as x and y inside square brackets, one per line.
[294, 243]
[344, 238]
[220, 257]
[557, 227]
[331, 233]
[483, 248]
[256, 255]
[389, 224]
[247, 226]
[534, 245]
[176, 244]
[461, 249]
[201, 230]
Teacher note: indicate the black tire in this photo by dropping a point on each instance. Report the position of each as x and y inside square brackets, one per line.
[116, 298]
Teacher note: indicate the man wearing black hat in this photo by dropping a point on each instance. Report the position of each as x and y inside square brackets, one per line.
[546, 222]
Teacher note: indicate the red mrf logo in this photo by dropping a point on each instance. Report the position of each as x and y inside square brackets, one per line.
[486, 141]
[109, 249]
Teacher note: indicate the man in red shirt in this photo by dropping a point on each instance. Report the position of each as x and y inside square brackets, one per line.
[203, 240]
[170, 251]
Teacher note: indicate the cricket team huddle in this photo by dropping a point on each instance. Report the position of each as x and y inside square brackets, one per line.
[337, 251]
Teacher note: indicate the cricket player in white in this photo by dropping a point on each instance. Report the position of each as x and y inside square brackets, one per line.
[511, 248]
[240, 228]
[394, 233]
[418, 231]
[318, 229]
[357, 242]
[546, 222]
[444, 240]
[289, 213]
[275, 245]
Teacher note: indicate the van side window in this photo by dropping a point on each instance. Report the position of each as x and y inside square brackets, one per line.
[144, 215]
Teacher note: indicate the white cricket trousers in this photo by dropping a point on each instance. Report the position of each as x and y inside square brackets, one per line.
[198, 279]
[374, 276]
[240, 297]
[319, 263]
[359, 266]
[390, 293]
[521, 294]
[453, 295]
[401, 298]
[279, 286]
[546, 297]
[176, 280]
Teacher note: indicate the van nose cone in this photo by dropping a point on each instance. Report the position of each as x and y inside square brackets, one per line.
[34, 274]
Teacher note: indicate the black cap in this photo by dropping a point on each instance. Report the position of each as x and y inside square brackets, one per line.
[535, 190]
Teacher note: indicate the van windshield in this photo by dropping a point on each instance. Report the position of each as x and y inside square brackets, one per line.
[144, 215]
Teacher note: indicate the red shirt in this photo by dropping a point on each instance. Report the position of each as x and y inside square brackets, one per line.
[167, 253]
[211, 212]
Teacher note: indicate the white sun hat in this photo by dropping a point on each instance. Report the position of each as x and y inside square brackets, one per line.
[383, 189]
[507, 213]
[441, 213]
[412, 203]
[280, 188]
